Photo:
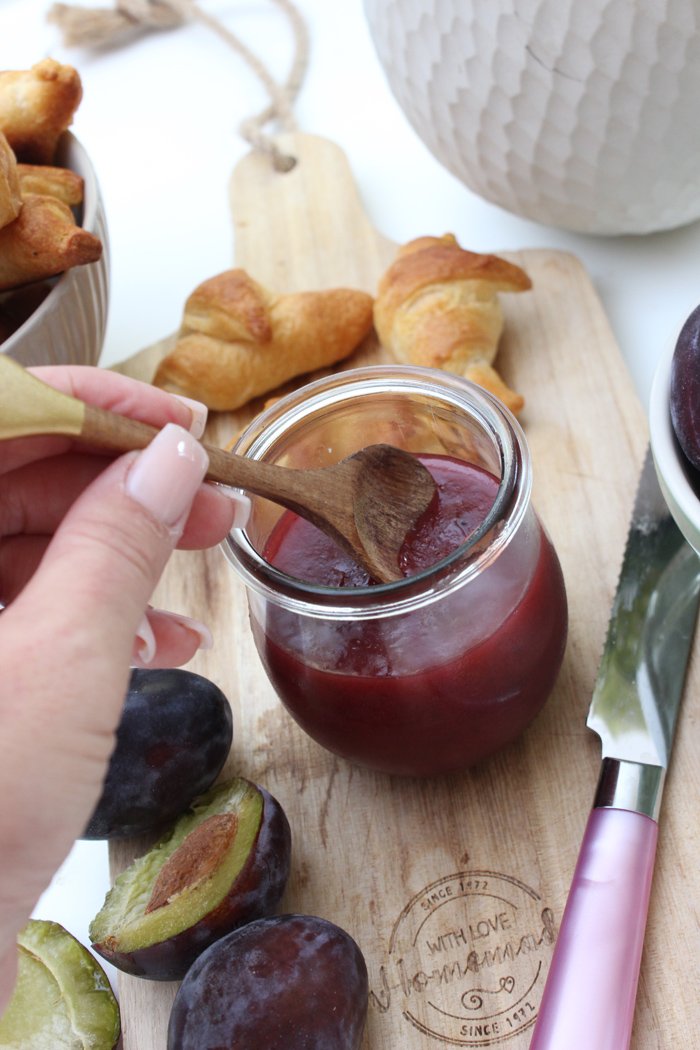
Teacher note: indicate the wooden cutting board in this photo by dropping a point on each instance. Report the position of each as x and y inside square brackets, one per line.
[454, 888]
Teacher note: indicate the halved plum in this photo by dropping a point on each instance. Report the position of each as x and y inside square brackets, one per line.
[290, 982]
[173, 739]
[225, 863]
[62, 998]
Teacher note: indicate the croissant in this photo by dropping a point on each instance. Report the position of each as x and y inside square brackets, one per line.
[62, 183]
[239, 340]
[437, 306]
[43, 241]
[10, 193]
[36, 107]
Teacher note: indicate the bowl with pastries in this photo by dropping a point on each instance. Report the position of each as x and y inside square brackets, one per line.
[54, 260]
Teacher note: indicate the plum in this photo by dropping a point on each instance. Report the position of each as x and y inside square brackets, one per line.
[290, 982]
[685, 389]
[173, 739]
[224, 863]
[62, 997]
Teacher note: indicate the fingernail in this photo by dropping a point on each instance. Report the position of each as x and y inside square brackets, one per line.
[166, 475]
[240, 501]
[196, 626]
[199, 414]
[145, 641]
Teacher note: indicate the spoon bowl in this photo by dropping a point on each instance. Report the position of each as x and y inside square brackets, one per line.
[367, 502]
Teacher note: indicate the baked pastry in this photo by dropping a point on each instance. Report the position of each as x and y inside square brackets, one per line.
[62, 183]
[239, 340]
[36, 107]
[43, 241]
[10, 194]
[437, 306]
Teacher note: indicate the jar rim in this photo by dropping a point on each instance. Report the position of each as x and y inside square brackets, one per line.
[465, 561]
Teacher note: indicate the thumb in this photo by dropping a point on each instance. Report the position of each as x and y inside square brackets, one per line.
[90, 592]
[61, 699]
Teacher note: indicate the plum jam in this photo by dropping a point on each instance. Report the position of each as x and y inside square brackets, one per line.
[439, 670]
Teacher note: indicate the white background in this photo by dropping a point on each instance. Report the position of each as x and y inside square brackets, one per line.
[160, 119]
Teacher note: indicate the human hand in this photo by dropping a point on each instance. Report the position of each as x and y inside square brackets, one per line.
[83, 542]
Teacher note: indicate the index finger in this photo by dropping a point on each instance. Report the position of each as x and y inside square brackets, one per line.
[118, 393]
[105, 389]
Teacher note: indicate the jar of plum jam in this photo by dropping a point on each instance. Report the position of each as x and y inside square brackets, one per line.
[439, 670]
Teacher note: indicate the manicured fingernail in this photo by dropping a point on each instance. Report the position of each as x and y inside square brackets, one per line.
[166, 475]
[240, 502]
[145, 641]
[199, 414]
[196, 626]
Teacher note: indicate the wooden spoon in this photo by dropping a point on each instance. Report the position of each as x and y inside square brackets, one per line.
[367, 502]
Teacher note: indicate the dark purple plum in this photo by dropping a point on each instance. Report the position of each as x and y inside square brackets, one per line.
[173, 739]
[685, 389]
[291, 982]
[225, 863]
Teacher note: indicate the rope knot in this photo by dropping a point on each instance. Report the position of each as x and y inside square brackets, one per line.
[153, 14]
[102, 27]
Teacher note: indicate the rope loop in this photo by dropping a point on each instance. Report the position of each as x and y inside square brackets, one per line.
[110, 27]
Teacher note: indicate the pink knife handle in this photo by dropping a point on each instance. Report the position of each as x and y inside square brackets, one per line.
[590, 993]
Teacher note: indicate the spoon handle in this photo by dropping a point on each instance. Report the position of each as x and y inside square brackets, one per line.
[117, 433]
[112, 432]
[29, 407]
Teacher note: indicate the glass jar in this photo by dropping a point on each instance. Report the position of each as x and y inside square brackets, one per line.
[436, 671]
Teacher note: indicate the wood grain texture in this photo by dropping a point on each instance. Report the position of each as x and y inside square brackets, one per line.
[453, 887]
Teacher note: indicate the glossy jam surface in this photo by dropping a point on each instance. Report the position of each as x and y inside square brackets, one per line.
[438, 688]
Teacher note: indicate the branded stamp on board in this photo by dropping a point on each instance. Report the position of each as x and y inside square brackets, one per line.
[466, 959]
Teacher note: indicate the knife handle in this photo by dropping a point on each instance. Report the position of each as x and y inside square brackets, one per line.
[590, 993]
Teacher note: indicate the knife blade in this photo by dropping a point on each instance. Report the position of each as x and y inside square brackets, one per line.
[590, 994]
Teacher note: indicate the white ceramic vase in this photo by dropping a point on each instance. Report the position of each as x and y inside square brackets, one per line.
[581, 114]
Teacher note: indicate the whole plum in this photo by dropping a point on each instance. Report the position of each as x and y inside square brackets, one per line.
[224, 863]
[173, 739]
[685, 389]
[291, 982]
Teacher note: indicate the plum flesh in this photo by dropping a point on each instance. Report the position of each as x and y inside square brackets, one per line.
[290, 982]
[225, 863]
[173, 739]
[62, 997]
[685, 389]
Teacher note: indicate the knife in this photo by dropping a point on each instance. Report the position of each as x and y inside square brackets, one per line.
[589, 998]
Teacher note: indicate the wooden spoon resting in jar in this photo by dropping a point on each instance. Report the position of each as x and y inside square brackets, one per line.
[367, 502]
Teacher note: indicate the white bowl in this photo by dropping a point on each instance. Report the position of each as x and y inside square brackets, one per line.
[671, 465]
[580, 114]
[68, 327]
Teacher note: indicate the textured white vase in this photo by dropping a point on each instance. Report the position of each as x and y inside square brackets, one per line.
[581, 114]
